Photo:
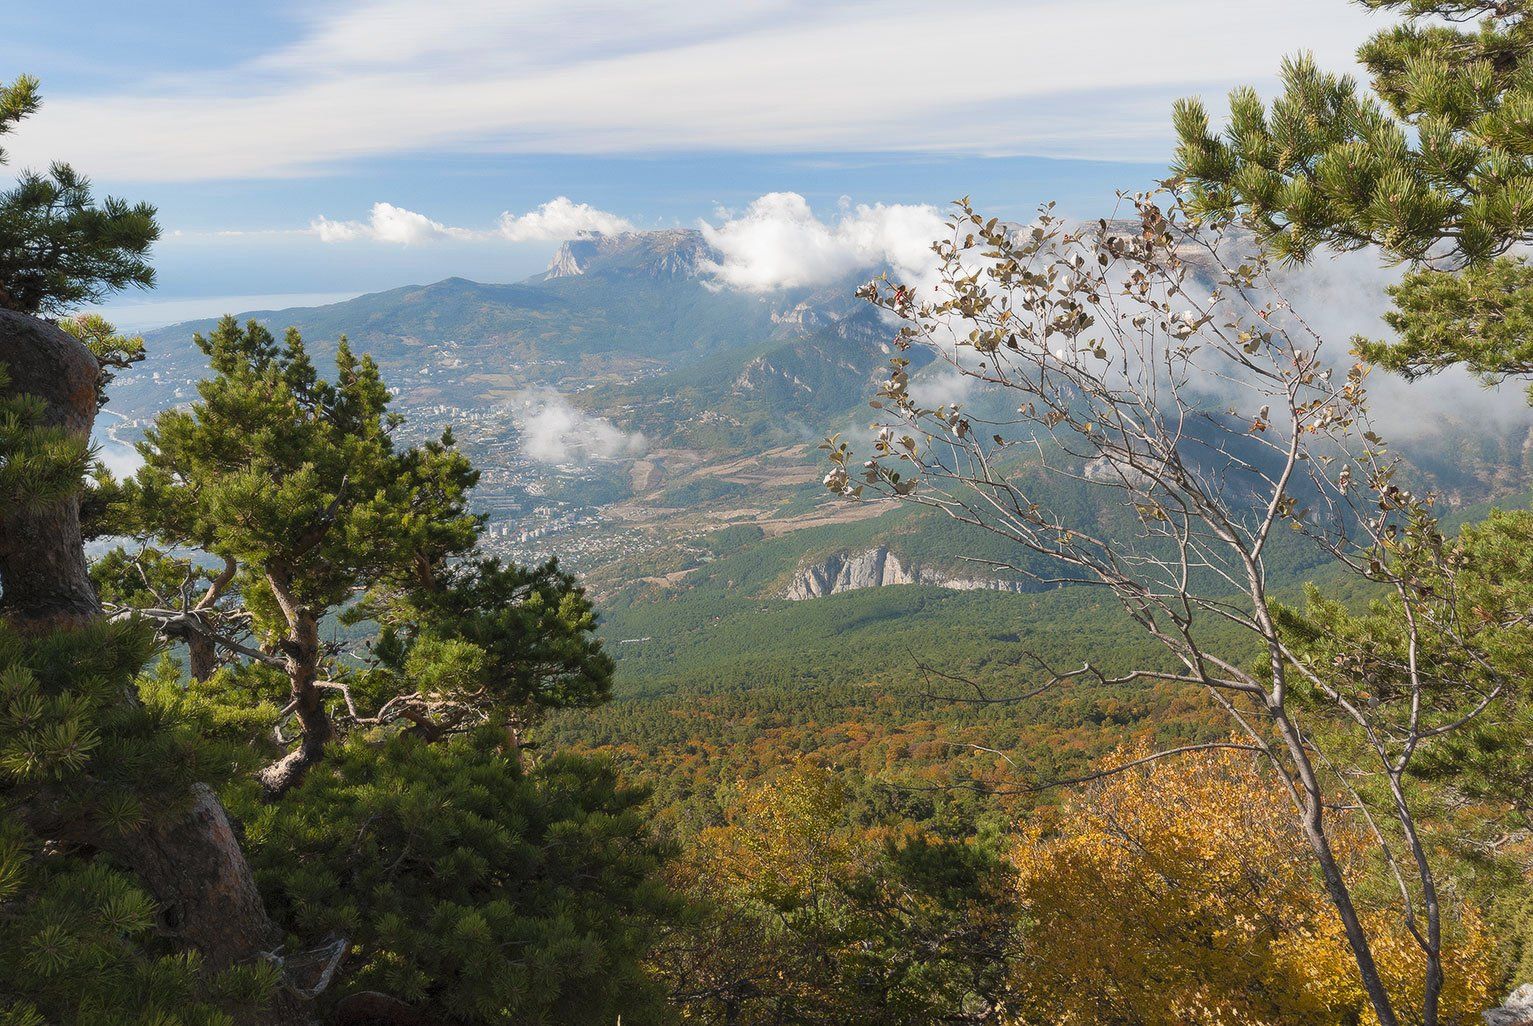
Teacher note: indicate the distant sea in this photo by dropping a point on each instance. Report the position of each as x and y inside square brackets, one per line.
[117, 453]
[147, 315]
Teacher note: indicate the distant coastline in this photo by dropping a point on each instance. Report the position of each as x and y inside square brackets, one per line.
[159, 313]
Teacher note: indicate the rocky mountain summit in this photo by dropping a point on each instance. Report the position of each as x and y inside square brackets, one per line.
[664, 253]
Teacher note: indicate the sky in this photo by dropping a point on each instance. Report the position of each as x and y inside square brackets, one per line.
[299, 152]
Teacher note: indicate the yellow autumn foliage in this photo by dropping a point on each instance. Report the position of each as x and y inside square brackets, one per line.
[1182, 893]
[781, 844]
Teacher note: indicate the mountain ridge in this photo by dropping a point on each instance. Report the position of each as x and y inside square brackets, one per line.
[669, 251]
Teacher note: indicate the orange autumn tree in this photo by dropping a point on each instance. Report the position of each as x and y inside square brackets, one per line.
[1180, 893]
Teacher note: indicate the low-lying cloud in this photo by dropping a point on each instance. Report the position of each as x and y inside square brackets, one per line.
[121, 461]
[779, 242]
[1344, 295]
[559, 219]
[555, 431]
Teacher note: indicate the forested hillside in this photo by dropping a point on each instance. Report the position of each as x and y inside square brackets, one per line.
[1083, 633]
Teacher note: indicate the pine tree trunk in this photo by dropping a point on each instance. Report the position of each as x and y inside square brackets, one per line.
[300, 651]
[202, 656]
[192, 862]
[281, 776]
[188, 857]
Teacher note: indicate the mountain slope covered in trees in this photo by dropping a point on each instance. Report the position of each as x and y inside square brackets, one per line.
[447, 656]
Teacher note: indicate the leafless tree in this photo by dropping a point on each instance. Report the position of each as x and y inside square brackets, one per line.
[1155, 361]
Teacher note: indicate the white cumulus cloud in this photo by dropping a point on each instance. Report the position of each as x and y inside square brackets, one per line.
[779, 242]
[387, 223]
[554, 431]
[559, 219]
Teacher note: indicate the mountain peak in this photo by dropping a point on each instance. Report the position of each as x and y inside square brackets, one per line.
[573, 255]
[665, 252]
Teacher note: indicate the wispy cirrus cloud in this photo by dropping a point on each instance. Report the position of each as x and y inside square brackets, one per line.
[377, 78]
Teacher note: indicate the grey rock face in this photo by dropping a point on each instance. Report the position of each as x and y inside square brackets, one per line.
[840, 572]
[833, 311]
[571, 258]
[760, 372]
[1518, 1010]
[877, 568]
[667, 253]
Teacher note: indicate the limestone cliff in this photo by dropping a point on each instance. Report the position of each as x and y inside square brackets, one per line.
[877, 568]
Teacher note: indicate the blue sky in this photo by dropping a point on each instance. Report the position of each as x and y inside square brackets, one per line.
[425, 134]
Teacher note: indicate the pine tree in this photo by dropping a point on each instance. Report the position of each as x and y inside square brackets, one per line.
[113, 352]
[471, 888]
[89, 767]
[489, 640]
[58, 249]
[403, 824]
[293, 485]
[123, 895]
[1433, 165]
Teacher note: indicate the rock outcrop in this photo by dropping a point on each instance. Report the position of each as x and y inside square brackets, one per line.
[878, 568]
[840, 572]
[762, 373]
[834, 312]
[44, 582]
[571, 257]
[1518, 1010]
[371, 1008]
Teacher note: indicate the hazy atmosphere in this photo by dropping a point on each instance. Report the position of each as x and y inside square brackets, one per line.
[766, 513]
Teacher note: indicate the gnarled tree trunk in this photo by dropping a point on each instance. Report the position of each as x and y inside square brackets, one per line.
[202, 656]
[300, 656]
